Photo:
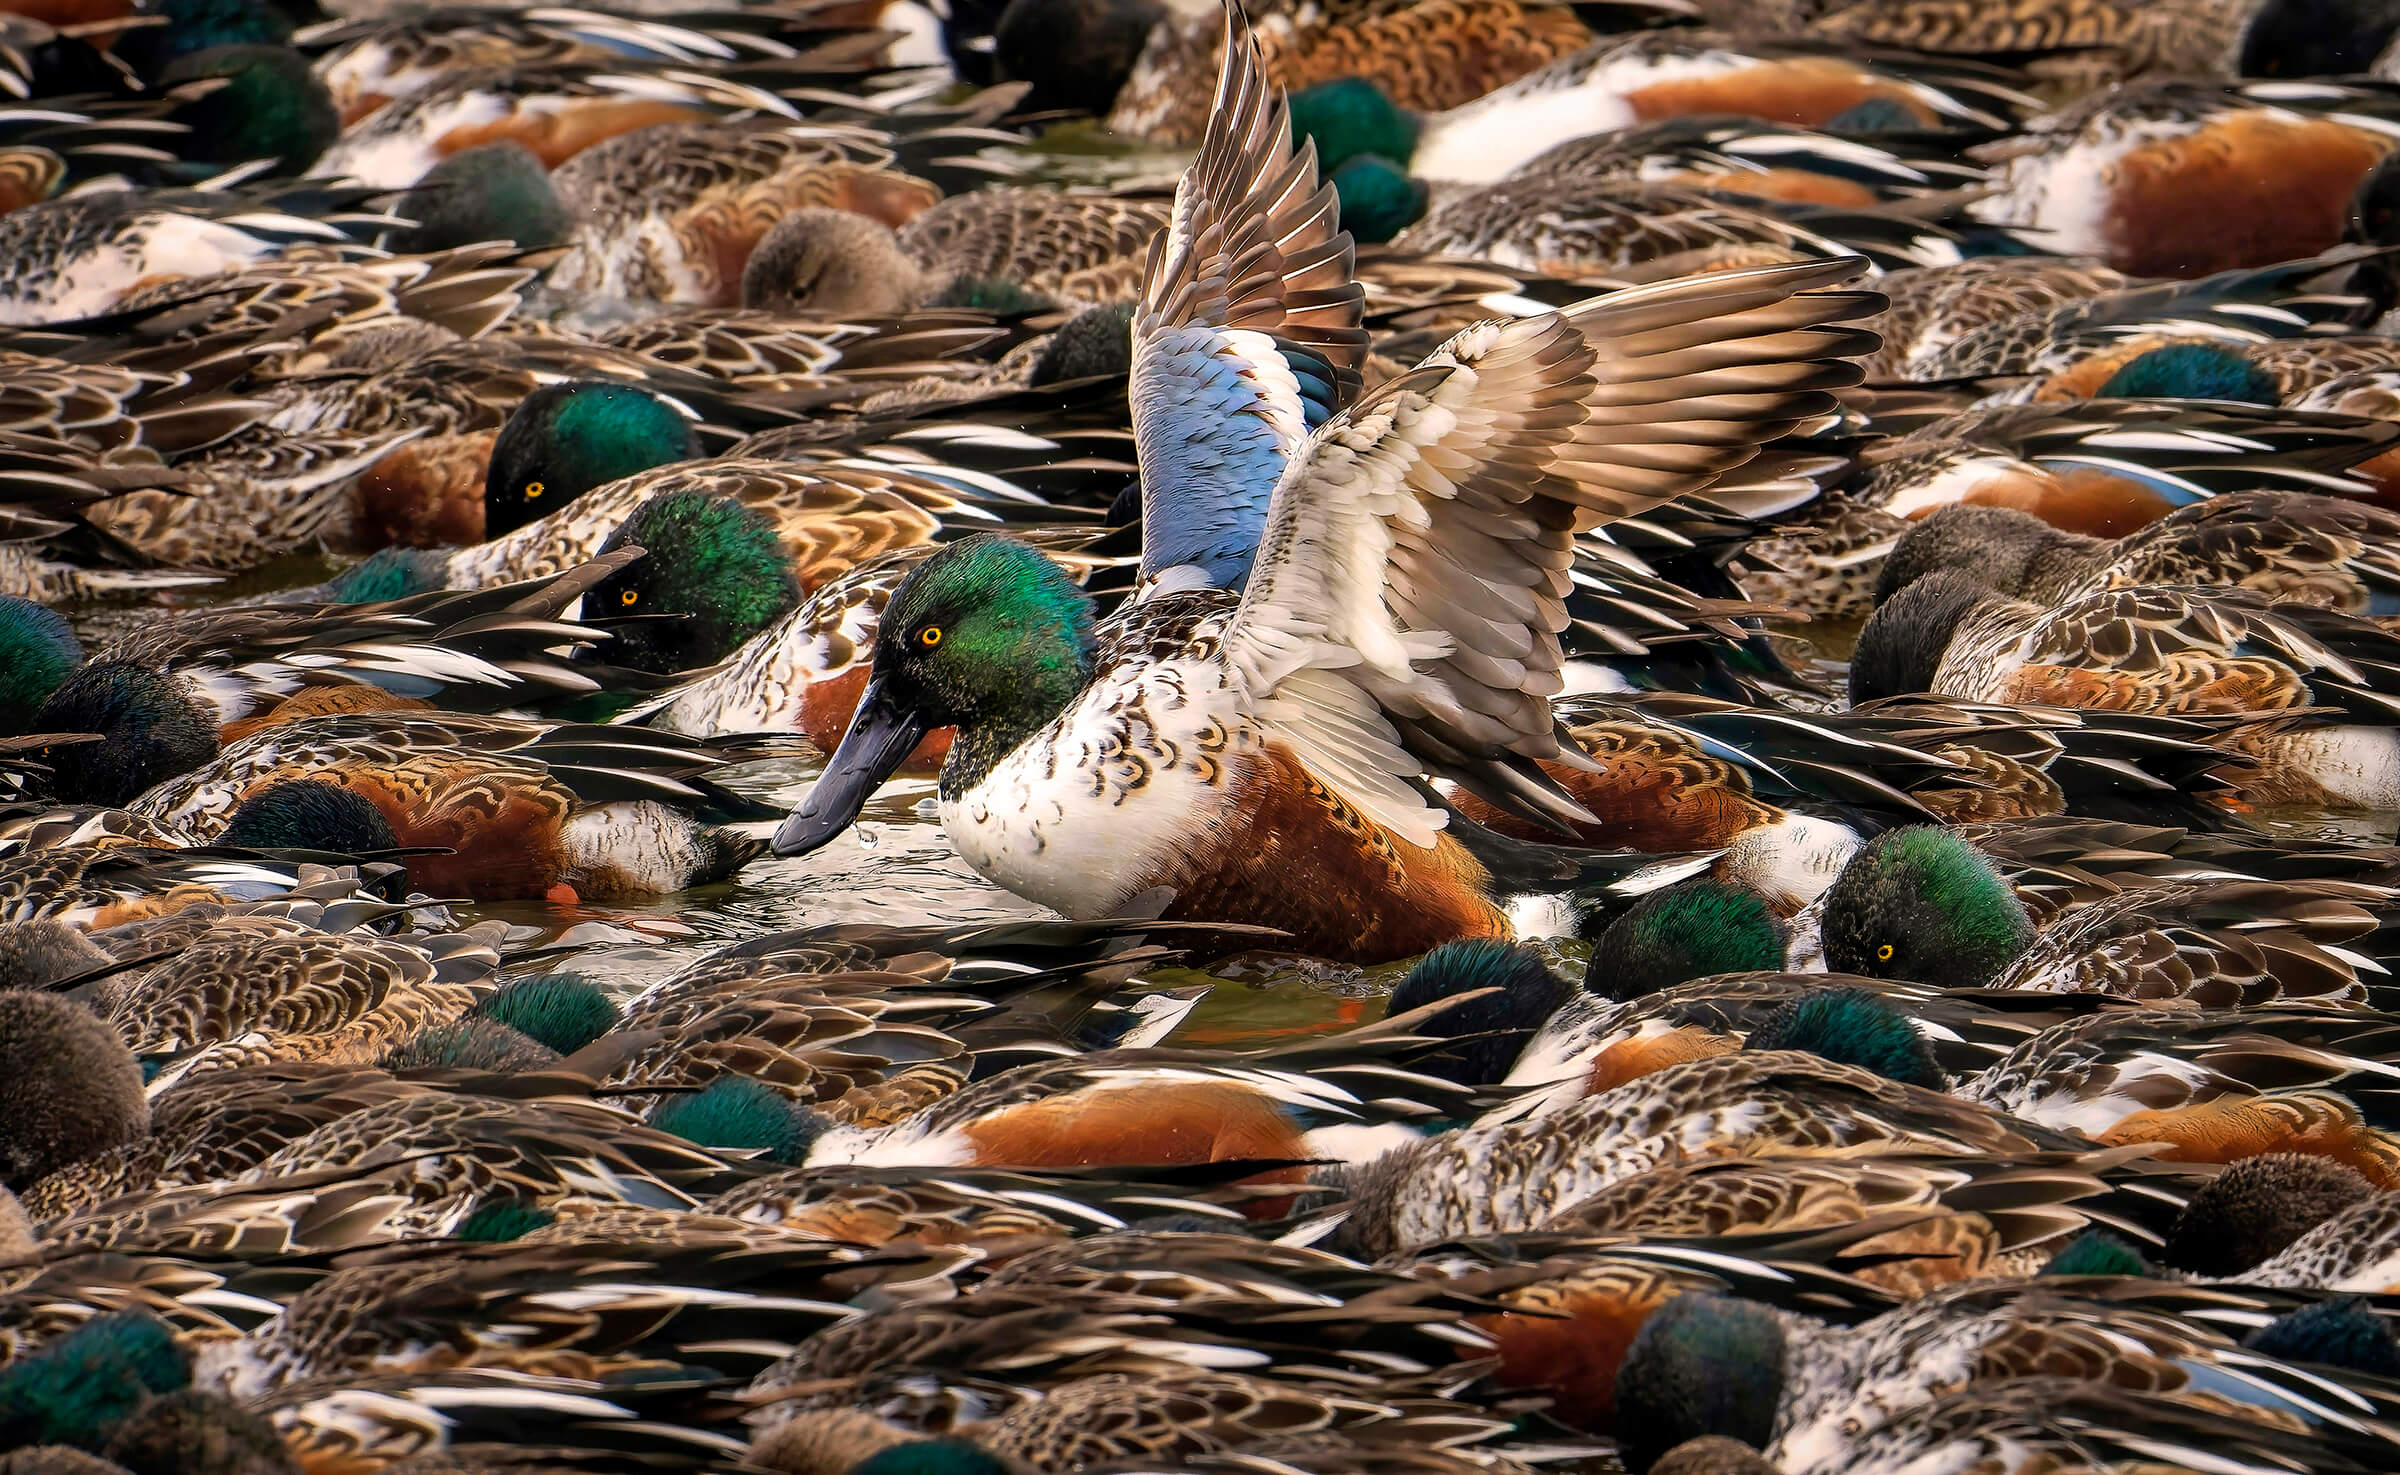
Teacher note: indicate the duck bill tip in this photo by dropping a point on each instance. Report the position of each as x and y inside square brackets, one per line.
[879, 740]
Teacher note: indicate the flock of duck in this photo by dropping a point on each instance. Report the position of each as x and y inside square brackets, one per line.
[1385, 546]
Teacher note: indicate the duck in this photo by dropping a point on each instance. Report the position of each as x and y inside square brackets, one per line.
[1434, 55]
[2100, 468]
[1621, 81]
[74, 1091]
[1017, 705]
[1933, 307]
[2224, 651]
[674, 212]
[1821, 1398]
[2273, 371]
[2106, 176]
[2294, 546]
[498, 808]
[1074, 249]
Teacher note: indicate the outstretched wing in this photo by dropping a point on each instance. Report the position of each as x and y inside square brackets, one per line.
[1403, 615]
[1247, 336]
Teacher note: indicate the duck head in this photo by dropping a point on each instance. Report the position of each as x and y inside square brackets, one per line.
[199, 1433]
[1350, 118]
[1096, 343]
[43, 952]
[1700, 1365]
[1378, 199]
[2000, 548]
[1921, 904]
[2098, 1252]
[2316, 38]
[79, 1388]
[2375, 205]
[1076, 54]
[2339, 1333]
[832, 262]
[2191, 371]
[188, 26]
[309, 814]
[565, 439]
[1901, 646]
[987, 636]
[1850, 1026]
[2252, 1211]
[492, 192]
[38, 651]
[1490, 1030]
[713, 565]
[155, 730]
[738, 1112]
[69, 1089]
[565, 1011]
[251, 102]
[1693, 929]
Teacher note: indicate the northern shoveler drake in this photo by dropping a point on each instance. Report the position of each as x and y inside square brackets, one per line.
[2165, 649]
[1276, 717]
[1819, 1398]
[519, 809]
[2101, 468]
[2309, 549]
[2272, 371]
[1619, 82]
[2272, 168]
[1072, 249]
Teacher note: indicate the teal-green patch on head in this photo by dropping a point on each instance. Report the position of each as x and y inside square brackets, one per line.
[933, 1457]
[503, 1220]
[252, 102]
[200, 25]
[565, 1011]
[2344, 1333]
[738, 1113]
[992, 294]
[1694, 929]
[79, 1388]
[1350, 117]
[309, 814]
[1920, 903]
[1490, 1030]
[389, 573]
[155, 731]
[38, 650]
[1378, 199]
[988, 635]
[565, 439]
[1699, 1365]
[714, 570]
[491, 192]
[2192, 371]
[2098, 1252]
[1850, 1026]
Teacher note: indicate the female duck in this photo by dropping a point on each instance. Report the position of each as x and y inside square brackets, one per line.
[1255, 761]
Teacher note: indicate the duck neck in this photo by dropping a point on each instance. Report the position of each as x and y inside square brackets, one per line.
[1006, 719]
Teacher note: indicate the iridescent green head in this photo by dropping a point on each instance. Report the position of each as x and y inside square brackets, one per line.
[492, 192]
[155, 730]
[1095, 343]
[2342, 1333]
[200, 25]
[389, 573]
[79, 1388]
[1350, 117]
[1700, 1365]
[1490, 1030]
[740, 1113]
[565, 1011]
[38, 650]
[309, 814]
[2192, 371]
[566, 439]
[1694, 929]
[1379, 200]
[1919, 903]
[712, 569]
[2098, 1252]
[1850, 1026]
[933, 1457]
[252, 102]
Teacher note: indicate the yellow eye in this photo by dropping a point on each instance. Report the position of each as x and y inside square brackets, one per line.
[533, 490]
[1883, 954]
[629, 596]
[930, 636]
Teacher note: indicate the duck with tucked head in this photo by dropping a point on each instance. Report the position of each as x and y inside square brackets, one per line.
[1403, 570]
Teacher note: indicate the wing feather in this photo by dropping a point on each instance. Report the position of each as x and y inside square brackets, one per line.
[1250, 281]
[1403, 615]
